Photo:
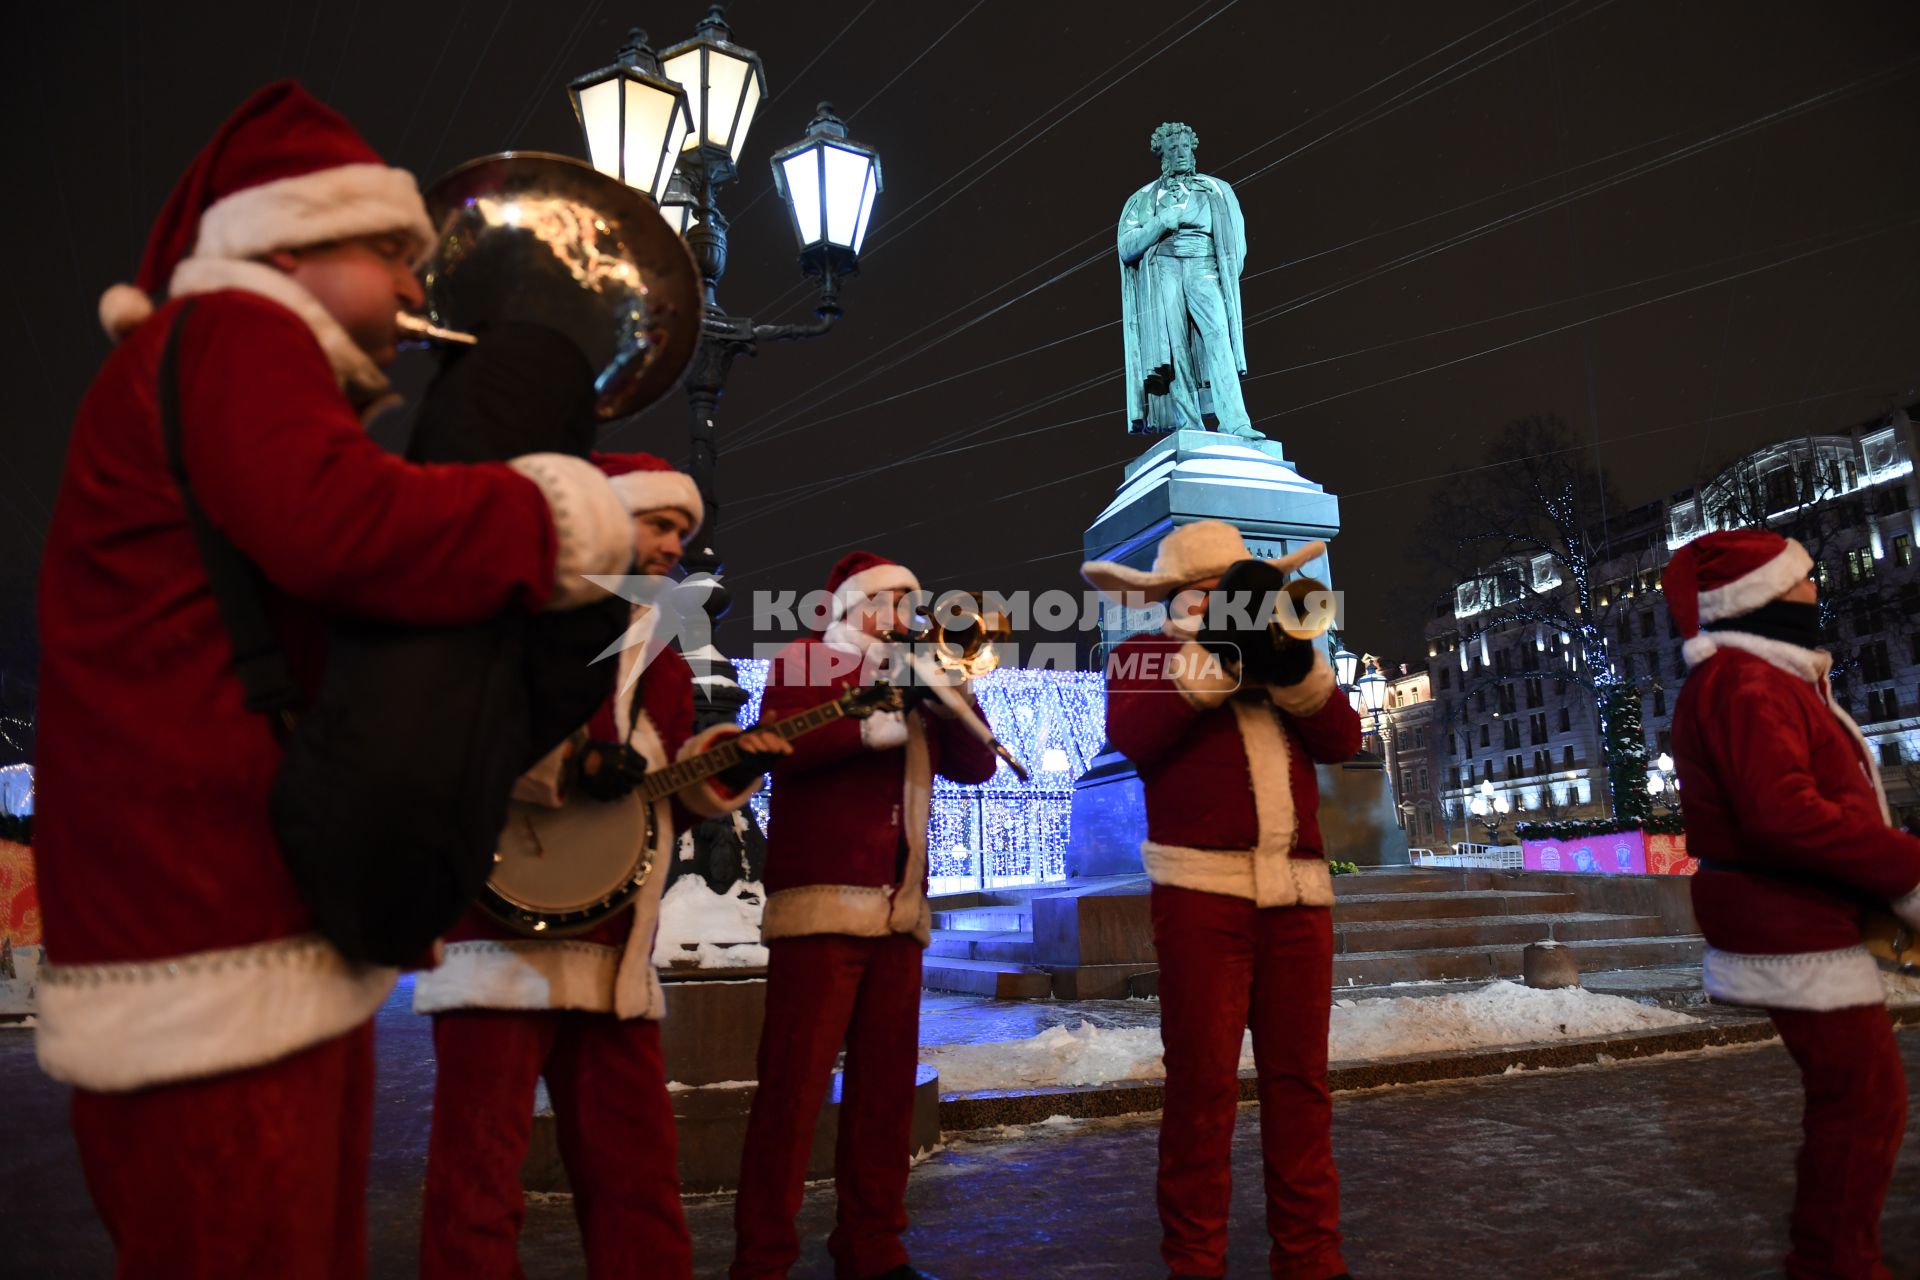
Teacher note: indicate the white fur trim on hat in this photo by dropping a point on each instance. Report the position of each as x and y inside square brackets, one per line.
[123, 308]
[1192, 552]
[871, 582]
[1757, 586]
[314, 208]
[653, 490]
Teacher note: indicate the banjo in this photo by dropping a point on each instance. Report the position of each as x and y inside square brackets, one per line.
[558, 872]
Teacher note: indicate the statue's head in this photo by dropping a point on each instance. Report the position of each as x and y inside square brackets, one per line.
[1175, 144]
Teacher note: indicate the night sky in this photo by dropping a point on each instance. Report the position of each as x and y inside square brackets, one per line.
[1361, 139]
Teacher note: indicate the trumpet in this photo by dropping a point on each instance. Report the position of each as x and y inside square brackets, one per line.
[959, 632]
[1295, 617]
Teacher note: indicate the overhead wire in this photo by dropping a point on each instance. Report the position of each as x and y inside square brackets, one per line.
[774, 430]
[800, 493]
[844, 384]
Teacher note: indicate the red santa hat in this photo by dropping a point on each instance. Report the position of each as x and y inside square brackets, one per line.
[1725, 574]
[646, 483]
[863, 575]
[284, 172]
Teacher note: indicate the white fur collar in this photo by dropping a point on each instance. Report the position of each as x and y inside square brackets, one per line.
[1811, 665]
[366, 386]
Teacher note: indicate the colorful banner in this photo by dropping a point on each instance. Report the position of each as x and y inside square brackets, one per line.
[1623, 853]
[1667, 856]
[19, 902]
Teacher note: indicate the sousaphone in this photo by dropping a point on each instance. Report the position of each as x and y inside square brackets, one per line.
[534, 237]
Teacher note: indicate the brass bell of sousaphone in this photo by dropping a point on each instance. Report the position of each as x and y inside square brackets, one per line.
[533, 237]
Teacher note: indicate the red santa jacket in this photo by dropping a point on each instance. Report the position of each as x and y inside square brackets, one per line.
[1232, 801]
[847, 829]
[609, 969]
[1784, 809]
[178, 945]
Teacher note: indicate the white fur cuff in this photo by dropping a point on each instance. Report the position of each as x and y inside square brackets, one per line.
[1907, 907]
[594, 530]
[884, 731]
[498, 974]
[1311, 694]
[1201, 677]
[1840, 979]
[855, 911]
[116, 1027]
[1268, 881]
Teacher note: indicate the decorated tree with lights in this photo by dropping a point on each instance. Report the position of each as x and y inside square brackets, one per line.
[1526, 536]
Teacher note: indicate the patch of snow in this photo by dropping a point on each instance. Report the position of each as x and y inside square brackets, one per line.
[674, 1086]
[706, 927]
[1503, 1013]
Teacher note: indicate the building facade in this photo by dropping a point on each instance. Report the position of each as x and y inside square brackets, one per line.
[1510, 702]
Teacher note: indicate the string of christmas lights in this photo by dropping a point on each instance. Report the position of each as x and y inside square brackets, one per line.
[1003, 831]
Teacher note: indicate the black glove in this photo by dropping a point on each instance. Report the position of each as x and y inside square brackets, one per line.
[739, 775]
[1239, 627]
[1285, 665]
[607, 770]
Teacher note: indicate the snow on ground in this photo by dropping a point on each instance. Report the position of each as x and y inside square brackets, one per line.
[711, 930]
[1502, 1013]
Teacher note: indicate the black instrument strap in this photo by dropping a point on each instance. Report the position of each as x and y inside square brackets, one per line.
[257, 658]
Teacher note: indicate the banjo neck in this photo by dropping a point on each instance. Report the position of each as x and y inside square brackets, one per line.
[661, 783]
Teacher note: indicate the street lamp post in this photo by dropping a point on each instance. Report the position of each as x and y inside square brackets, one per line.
[1491, 809]
[1663, 785]
[674, 124]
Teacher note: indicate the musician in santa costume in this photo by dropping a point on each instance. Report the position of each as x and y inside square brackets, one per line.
[846, 918]
[1785, 811]
[221, 1053]
[1225, 730]
[584, 1011]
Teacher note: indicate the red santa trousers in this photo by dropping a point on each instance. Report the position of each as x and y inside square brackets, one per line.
[615, 1123]
[1226, 964]
[1856, 1113]
[822, 991]
[254, 1173]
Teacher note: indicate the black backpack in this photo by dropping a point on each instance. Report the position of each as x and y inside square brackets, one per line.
[395, 781]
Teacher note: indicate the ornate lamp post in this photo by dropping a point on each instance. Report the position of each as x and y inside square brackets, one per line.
[1662, 785]
[674, 124]
[1491, 809]
[1373, 693]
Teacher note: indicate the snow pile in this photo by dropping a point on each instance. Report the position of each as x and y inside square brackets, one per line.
[1503, 1013]
[1498, 1014]
[708, 929]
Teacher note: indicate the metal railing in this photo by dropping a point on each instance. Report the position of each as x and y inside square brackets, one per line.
[1493, 857]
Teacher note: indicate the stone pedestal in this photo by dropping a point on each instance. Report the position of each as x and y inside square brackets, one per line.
[1549, 966]
[710, 1040]
[1180, 478]
[1357, 816]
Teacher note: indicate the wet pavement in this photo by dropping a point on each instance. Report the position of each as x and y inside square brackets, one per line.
[1678, 1166]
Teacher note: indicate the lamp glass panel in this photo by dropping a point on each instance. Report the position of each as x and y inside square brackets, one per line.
[600, 121]
[727, 78]
[1374, 690]
[685, 69]
[1353, 700]
[803, 192]
[653, 120]
[846, 184]
[746, 115]
[866, 212]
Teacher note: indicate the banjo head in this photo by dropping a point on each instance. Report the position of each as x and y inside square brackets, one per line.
[559, 872]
